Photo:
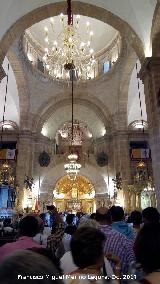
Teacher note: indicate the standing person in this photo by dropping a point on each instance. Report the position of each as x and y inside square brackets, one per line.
[150, 215]
[54, 240]
[147, 251]
[71, 227]
[116, 243]
[88, 255]
[119, 224]
[28, 228]
[136, 220]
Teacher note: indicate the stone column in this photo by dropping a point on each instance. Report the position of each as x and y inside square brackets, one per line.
[150, 74]
[121, 155]
[24, 161]
[122, 161]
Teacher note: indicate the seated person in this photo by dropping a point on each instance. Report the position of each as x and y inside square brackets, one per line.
[7, 226]
[28, 228]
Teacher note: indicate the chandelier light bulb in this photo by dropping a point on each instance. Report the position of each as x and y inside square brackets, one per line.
[46, 29]
[55, 43]
[46, 39]
[78, 17]
[91, 34]
[52, 20]
[47, 66]
[62, 17]
[70, 39]
[91, 50]
[46, 49]
[88, 24]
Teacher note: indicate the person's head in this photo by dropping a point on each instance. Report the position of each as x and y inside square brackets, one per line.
[93, 216]
[150, 215]
[117, 213]
[85, 222]
[147, 247]
[136, 218]
[27, 263]
[70, 219]
[103, 216]
[87, 247]
[28, 226]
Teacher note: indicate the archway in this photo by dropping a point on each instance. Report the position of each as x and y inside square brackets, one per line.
[155, 32]
[79, 8]
[74, 195]
[49, 108]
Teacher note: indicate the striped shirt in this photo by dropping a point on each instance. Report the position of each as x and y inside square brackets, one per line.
[119, 245]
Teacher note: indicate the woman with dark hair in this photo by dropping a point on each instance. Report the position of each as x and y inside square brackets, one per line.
[147, 251]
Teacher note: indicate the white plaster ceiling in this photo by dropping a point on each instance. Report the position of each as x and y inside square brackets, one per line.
[134, 111]
[81, 113]
[103, 33]
[138, 13]
[12, 111]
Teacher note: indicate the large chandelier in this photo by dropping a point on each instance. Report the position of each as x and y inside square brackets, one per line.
[80, 131]
[69, 51]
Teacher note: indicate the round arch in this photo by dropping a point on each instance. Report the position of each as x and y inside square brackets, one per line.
[92, 173]
[85, 9]
[155, 32]
[22, 87]
[124, 87]
[52, 105]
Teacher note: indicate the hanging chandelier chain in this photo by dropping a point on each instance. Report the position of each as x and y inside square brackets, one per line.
[72, 106]
[139, 95]
[69, 13]
[5, 101]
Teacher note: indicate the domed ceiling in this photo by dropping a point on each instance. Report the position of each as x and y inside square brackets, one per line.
[103, 34]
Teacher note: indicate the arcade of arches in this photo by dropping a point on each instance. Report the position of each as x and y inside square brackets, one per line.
[117, 113]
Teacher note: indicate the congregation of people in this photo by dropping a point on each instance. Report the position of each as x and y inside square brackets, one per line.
[107, 246]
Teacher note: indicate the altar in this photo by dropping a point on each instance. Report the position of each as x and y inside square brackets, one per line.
[74, 196]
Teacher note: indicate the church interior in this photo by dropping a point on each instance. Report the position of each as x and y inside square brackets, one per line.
[79, 105]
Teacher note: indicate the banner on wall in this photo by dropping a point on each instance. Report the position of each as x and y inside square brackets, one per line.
[7, 154]
[140, 153]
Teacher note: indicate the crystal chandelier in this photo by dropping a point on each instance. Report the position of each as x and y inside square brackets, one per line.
[79, 132]
[69, 51]
[72, 168]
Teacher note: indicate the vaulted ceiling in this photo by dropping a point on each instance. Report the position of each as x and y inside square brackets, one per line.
[138, 13]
